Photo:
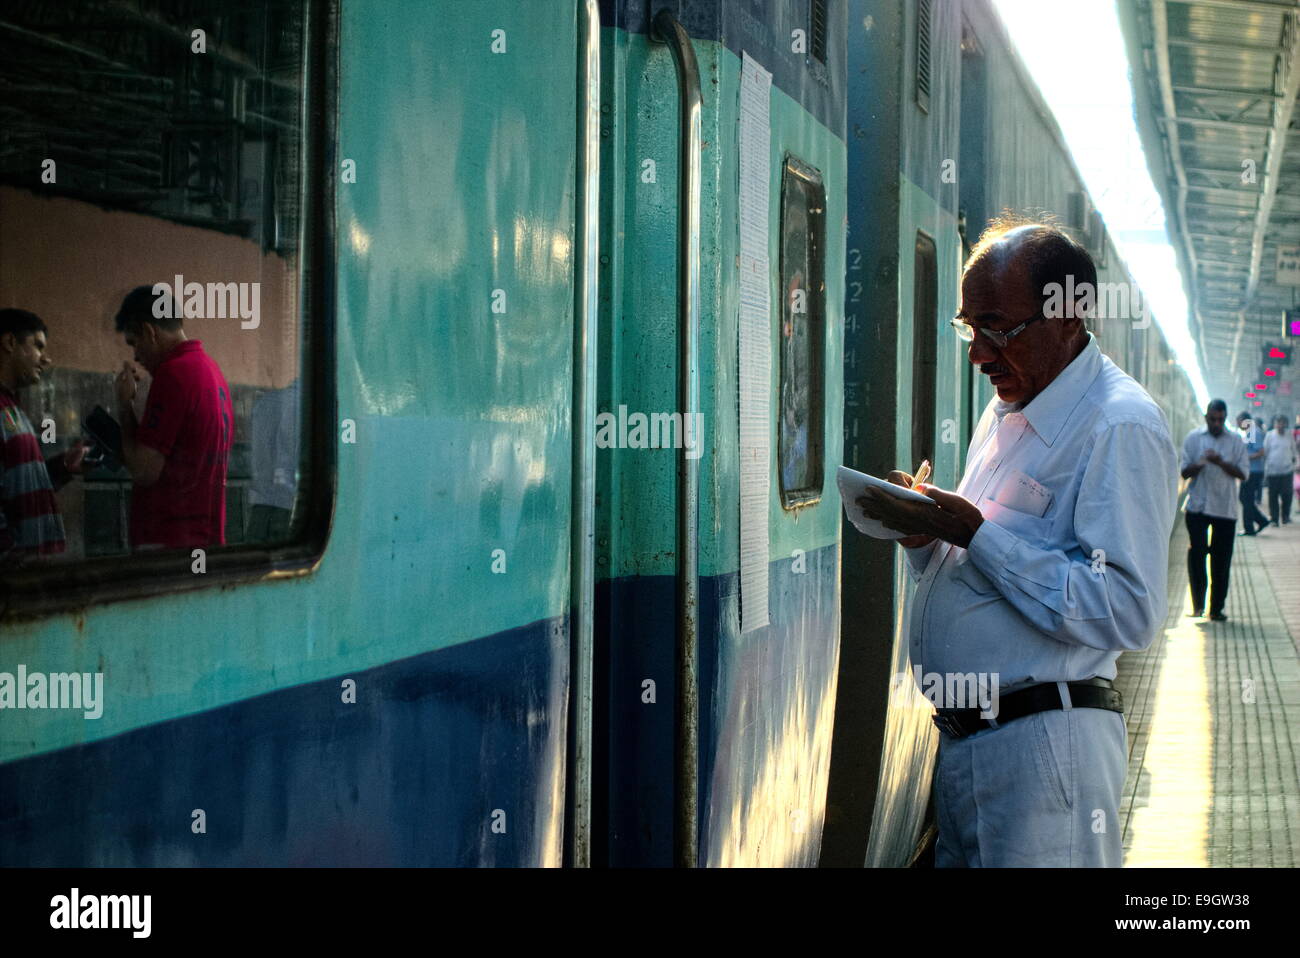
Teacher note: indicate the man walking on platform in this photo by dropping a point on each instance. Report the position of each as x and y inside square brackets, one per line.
[1214, 459]
[1279, 464]
[1252, 520]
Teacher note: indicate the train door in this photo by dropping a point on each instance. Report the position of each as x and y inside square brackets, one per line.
[719, 388]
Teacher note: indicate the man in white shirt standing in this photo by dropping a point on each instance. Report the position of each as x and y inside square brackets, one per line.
[1049, 561]
[1214, 459]
[1279, 463]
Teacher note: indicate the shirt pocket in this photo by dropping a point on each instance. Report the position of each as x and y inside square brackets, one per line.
[1035, 530]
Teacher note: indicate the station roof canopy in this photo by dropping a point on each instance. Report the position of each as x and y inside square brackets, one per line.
[1215, 84]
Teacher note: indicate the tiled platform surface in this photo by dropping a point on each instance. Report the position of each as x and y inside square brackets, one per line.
[1213, 712]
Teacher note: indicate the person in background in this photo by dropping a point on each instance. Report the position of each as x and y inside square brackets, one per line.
[274, 450]
[1252, 520]
[1279, 466]
[1295, 434]
[1261, 430]
[30, 523]
[1214, 459]
[177, 452]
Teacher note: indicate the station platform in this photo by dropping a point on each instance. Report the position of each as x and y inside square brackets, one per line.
[1213, 711]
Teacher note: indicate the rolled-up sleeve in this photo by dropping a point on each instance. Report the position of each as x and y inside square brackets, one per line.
[1113, 596]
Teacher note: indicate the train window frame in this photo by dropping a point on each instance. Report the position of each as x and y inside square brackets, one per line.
[35, 591]
[794, 170]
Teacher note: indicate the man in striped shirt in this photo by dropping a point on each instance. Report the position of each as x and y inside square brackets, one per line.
[30, 524]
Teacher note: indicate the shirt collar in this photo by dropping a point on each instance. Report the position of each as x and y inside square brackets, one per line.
[185, 346]
[1049, 410]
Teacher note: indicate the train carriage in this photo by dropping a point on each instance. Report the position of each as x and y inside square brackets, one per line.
[568, 311]
[407, 674]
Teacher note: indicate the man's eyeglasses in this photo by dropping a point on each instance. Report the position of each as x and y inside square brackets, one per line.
[966, 331]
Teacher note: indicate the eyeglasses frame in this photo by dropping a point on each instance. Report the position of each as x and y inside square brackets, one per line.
[999, 338]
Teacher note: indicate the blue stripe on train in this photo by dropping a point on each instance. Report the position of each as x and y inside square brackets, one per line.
[409, 775]
[412, 772]
[767, 703]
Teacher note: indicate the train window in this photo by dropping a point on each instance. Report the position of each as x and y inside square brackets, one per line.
[925, 359]
[152, 225]
[803, 318]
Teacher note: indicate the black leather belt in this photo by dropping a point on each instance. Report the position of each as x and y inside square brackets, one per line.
[1088, 694]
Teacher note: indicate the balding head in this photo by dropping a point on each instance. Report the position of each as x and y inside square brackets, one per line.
[1007, 282]
[1048, 256]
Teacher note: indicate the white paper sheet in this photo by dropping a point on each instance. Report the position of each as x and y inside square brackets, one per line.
[755, 346]
[852, 483]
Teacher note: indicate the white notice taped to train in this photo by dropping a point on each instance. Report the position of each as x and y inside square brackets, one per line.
[755, 334]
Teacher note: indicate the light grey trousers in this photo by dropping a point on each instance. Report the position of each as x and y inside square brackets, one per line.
[1040, 791]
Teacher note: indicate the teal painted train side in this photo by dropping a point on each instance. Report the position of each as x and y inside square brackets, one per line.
[443, 589]
[401, 689]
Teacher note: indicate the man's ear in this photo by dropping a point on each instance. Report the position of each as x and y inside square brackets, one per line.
[8, 342]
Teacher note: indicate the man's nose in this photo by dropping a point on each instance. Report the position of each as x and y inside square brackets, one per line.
[981, 351]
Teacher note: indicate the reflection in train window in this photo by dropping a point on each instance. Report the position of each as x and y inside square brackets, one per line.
[150, 193]
[803, 317]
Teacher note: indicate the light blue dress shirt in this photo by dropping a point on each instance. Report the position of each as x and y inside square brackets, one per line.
[1079, 492]
[1212, 492]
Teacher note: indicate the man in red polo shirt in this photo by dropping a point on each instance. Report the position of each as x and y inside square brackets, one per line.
[177, 452]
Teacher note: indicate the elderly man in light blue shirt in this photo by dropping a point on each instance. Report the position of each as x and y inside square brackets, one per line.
[1049, 561]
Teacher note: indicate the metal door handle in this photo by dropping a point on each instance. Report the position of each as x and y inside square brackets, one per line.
[686, 740]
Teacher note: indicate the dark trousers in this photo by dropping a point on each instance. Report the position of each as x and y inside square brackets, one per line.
[1219, 548]
[1279, 494]
[1252, 520]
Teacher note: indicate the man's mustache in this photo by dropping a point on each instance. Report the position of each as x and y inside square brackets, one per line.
[993, 369]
